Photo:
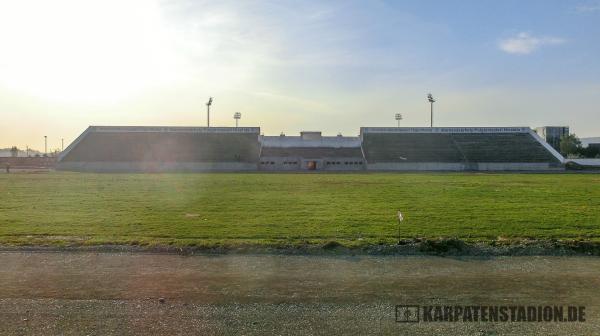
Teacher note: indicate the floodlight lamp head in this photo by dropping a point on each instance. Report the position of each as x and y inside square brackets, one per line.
[237, 115]
[209, 101]
[398, 116]
[430, 98]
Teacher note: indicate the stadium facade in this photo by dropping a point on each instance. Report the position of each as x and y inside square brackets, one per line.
[199, 149]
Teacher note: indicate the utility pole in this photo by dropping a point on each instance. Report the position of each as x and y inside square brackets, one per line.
[210, 100]
[431, 100]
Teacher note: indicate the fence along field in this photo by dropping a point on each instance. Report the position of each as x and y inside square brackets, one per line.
[352, 209]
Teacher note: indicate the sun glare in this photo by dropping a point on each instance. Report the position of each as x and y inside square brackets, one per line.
[73, 50]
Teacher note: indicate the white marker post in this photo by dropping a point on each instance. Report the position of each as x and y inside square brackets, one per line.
[400, 219]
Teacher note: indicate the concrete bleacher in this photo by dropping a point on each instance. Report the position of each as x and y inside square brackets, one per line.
[163, 149]
[410, 148]
[516, 148]
[502, 147]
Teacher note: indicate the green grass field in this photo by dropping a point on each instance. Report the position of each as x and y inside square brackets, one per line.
[208, 209]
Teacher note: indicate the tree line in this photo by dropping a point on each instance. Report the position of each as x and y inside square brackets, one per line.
[570, 147]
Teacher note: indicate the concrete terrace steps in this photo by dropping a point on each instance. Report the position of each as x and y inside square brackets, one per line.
[165, 147]
[461, 147]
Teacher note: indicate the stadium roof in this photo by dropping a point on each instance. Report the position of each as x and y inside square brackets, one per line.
[445, 129]
[173, 129]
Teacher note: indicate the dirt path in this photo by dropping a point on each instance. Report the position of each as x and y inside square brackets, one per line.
[111, 293]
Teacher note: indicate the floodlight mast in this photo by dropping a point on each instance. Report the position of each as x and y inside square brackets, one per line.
[398, 118]
[431, 101]
[210, 100]
[237, 116]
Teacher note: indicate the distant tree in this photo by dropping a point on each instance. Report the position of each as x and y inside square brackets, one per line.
[589, 152]
[14, 151]
[570, 145]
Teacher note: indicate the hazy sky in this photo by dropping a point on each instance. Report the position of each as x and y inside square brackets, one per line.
[295, 65]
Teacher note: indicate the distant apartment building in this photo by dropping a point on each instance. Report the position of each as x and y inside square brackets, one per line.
[552, 134]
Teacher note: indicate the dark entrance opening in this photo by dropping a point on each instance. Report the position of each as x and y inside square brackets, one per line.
[311, 165]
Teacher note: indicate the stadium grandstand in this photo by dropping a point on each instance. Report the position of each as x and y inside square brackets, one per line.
[457, 148]
[108, 149]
